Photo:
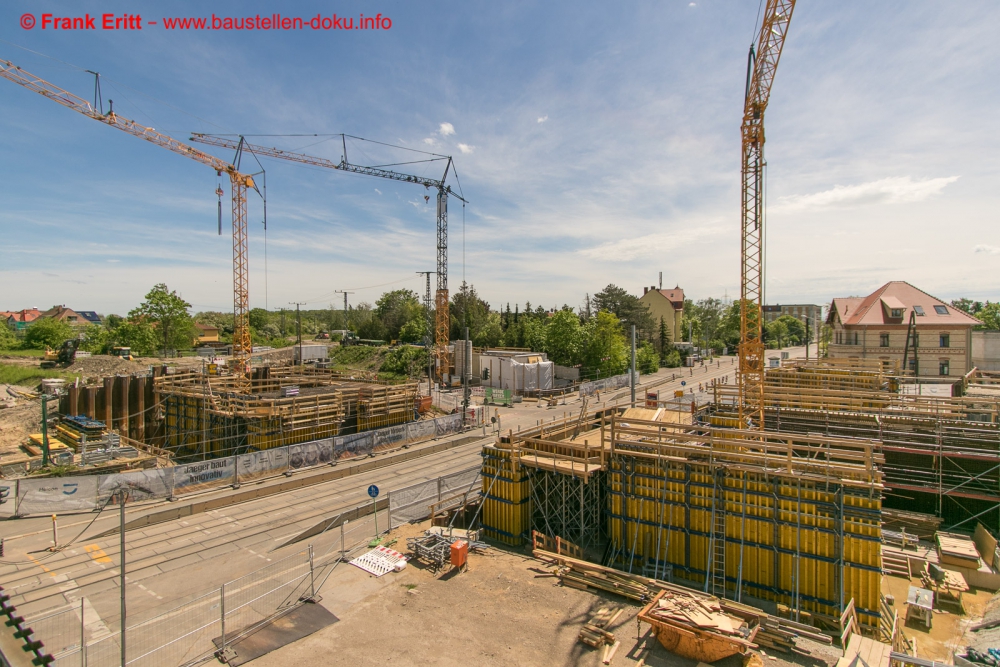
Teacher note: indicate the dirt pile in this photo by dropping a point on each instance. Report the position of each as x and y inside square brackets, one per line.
[17, 423]
[100, 365]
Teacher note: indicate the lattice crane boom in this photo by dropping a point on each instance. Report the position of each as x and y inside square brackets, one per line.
[770, 41]
[239, 182]
[442, 324]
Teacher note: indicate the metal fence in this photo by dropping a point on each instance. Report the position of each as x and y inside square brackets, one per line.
[192, 631]
[92, 492]
[414, 502]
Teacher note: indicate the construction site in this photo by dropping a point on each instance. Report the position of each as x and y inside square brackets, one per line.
[272, 508]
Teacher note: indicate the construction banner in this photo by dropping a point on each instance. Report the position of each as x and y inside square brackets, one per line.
[358, 444]
[308, 454]
[421, 430]
[203, 476]
[257, 465]
[56, 494]
[138, 485]
[448, 425]
[385, 438]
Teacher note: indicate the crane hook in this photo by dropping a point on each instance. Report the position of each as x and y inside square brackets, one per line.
[219, 193]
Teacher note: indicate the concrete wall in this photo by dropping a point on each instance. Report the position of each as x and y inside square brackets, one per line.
[986, 350]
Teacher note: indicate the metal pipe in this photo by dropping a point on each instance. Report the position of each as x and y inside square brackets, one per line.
[121, 542]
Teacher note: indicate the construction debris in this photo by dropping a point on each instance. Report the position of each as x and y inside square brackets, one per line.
[594, 632]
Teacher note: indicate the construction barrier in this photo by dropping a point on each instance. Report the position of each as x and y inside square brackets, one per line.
[614, 382]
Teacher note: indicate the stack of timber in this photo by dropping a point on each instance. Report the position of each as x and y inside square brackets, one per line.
[957, 549]
[768, 630]
[595, 633]
[919, 524]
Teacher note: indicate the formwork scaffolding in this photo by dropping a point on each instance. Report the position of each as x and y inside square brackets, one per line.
[942, 454]
[204, 416]
[789, 518]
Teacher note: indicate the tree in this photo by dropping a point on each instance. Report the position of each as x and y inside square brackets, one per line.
[604, 347]
[138, 335]
[396, 308]
[646, 359]
[47, 332]
[491, 332]
[258, 318]
[989, 314]
[8, 341]
[627, 308]
[168, 312]
[413, 331]
[562, 338]
[468, 310]
[663, 338]
[968, 305]
[796, 331]
[777, 333]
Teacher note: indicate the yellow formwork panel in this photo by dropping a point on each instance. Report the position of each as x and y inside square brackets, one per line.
[506, 513]
[782, 518]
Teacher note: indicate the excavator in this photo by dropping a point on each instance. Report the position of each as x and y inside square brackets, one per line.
[64, 356]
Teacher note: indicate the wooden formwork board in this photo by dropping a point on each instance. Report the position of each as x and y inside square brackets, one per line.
[506, 507]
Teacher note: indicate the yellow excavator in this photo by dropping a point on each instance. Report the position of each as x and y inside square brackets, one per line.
[64, 356]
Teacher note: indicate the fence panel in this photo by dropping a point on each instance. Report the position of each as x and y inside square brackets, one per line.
[53, 495]
[412, 503]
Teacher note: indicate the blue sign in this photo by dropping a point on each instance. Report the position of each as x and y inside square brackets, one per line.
[373, 491]
[683, 383]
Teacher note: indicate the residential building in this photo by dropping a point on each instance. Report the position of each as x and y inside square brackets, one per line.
[986, 350]
[809, 314]
[90, 316]
[206, 334]
[875, 327]
[64, 314]
[668, 304]
[20, 319]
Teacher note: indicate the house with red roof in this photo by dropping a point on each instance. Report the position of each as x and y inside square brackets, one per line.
[875, 327]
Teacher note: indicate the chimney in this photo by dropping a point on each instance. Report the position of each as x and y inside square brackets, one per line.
[645, 290]
[661, 279]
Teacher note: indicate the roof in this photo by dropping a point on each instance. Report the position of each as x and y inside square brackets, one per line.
[24, 315]
[90, 316]
[205, 327]
[876, 308]
[674, 296]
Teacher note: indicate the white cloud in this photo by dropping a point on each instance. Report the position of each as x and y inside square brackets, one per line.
[653, 245]
[466, 148]
[691, 4]
[895, 190]
[542, 119]
[988, 249]
[429, 141]
[446, 129]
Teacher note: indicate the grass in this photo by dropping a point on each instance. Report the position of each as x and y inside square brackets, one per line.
[28, 375]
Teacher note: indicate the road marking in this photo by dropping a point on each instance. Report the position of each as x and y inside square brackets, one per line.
[97, 553]
[93, 624]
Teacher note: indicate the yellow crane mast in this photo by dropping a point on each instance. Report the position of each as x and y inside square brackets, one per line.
[760, 76]
[239, 184]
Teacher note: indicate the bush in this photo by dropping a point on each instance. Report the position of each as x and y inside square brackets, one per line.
[646, 359]
[405, 360]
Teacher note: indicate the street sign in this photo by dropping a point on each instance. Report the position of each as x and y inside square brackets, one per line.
[683, 383]
[373, 491]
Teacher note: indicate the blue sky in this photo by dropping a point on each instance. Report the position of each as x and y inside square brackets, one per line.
[597, 143]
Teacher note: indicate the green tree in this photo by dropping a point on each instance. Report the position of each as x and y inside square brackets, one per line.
[138, 335]
[396, 308]
[47, 332]
[663, 338]
[646, 358]
[604, 346]
[258, 318]
[8, 340]
[968, 305]
[777, 333]
[562, 338]
[627, 308]
[491, 332]
[672, 359]
[168, 312]
[989, 314]
[468, 310]
[405, 360]
[796, 330]
[413, 331]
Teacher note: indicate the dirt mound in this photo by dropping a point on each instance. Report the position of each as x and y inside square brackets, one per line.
[16, 423]
[100, 365]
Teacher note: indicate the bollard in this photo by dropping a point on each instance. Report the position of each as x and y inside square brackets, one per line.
[343, 552]
[55, 533]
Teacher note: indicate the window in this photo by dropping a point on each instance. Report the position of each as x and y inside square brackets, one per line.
[896, 312]
[919, 310]
[840, 337]
[943, 367]
[941, 310]
[944, 340]
[855, 337]
[883, 340]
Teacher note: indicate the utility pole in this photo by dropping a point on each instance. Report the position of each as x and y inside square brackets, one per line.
[298, 324]
[45, 430]
[121, 584]
[340, 291]
[807, 339]
[632, 378]
[466, 371]
[283, 322]
[428, 336]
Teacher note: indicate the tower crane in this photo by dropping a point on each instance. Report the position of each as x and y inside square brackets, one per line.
[760, 76]
[442, 318]
[239, 184]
